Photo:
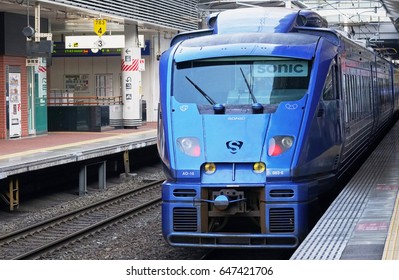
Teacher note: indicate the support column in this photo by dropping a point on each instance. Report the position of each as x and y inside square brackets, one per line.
[131, 78]
[83, 180]
[126, 162]
[12, 196]
[102, 176]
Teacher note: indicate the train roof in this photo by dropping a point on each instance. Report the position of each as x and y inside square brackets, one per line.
[274, 44]
[263, 20]
[276, 31]
[257, 20]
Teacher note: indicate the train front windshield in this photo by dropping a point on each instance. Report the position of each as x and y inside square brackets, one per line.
[238, 80]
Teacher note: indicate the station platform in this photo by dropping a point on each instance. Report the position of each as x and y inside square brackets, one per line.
[363, 221]
[57, 148]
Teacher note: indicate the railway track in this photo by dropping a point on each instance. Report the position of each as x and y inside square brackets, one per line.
[38, 239]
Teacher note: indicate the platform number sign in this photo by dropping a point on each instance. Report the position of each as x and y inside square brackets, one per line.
[100, 26]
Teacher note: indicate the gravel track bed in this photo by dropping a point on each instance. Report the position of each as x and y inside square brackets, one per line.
[138, 238]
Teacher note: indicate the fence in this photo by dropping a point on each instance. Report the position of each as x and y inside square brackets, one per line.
[70, 98]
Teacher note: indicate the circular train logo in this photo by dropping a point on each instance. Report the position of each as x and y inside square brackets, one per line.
[234, 146]
[183, 108]
[291, 106]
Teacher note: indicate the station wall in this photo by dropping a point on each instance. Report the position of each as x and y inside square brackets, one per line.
[63, 67]
[16, 63]
[111, 65]
[13, 56]
[150, 77]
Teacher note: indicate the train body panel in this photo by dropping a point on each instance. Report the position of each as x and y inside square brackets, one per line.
[321, 137]
[258, 120]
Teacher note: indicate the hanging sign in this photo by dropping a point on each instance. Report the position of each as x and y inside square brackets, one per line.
[90, 42]
[100, 26]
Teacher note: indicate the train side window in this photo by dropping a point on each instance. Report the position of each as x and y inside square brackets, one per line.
[345, 87]
[329, 87]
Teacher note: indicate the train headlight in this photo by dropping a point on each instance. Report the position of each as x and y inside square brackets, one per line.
[287, 142]
[210, 168]
[279, 144]
[259, 167]
[189, 145]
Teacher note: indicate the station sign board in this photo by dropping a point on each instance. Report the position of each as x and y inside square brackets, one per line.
[32, 62]
[95, 42]
[59, 50]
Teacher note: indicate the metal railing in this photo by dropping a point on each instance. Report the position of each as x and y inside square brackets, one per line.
[69, 98]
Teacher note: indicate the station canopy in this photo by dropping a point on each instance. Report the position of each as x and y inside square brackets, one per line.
[375, 23]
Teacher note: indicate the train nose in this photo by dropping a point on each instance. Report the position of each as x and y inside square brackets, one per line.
[221, 202]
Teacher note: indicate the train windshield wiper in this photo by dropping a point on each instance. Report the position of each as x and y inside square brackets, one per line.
[207, 97]
[249, 87]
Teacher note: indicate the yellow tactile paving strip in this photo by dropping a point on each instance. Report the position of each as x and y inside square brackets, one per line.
[391, 249]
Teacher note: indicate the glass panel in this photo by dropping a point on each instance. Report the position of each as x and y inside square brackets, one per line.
[104, 85]
[240, 80]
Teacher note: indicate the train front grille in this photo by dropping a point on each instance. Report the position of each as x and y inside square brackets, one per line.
[185, 219]
[281, 220]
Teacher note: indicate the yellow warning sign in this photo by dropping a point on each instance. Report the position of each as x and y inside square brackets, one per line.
[100, 26]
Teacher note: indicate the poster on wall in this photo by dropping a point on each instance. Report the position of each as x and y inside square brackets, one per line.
[77, 83]
[14, 80]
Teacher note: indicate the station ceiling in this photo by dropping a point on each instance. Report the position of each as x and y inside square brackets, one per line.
[375, 21]
[392, 7]
[76, 20]
[63, 19]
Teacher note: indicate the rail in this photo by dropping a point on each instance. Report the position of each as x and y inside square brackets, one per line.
[47, 236]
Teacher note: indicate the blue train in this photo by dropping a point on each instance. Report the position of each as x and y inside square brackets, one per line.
[259, 117]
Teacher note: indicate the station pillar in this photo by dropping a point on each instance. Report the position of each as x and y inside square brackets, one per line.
[131, 79]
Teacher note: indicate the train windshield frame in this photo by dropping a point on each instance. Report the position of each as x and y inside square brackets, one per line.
[241, 80]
